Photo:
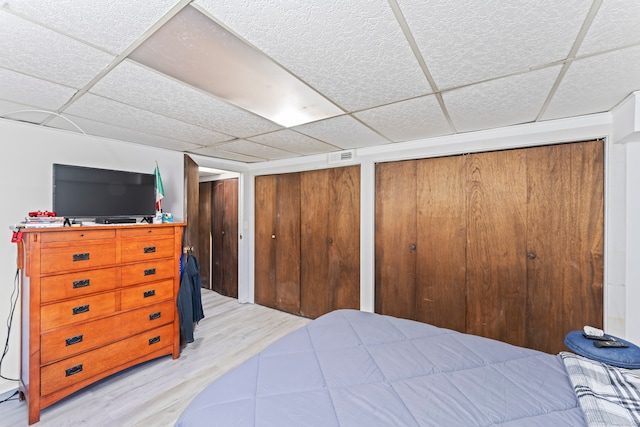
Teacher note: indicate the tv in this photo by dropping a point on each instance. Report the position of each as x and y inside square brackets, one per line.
[109, 196]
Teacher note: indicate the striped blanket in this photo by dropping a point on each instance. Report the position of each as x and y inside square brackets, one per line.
[609, 396]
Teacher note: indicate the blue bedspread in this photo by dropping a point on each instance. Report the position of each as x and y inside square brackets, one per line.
[352, 368]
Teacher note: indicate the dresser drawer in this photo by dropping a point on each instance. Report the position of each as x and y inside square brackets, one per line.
[53, 316]
[75, 285]
[145, 249]
[151, 293]
[89, 335]
[76, 236]
[67, 372]
[154, 231]
[145, 272]
[77, 256]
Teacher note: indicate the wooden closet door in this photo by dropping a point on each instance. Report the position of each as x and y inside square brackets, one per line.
[442, 239]
[330, 240]
[496, 245]
[565, 242]
[204, 234]
[230, 238]
[265, 245]
[344, 238]
[314, 244]
[217, 249]
[396, 239]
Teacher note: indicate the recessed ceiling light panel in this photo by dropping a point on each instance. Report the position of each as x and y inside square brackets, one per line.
[198, 51]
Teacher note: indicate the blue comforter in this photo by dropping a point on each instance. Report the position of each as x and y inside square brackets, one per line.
[352, 368]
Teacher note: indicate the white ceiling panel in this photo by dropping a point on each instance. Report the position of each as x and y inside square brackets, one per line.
[24, 113]
[32, 91]
[107, 111]
[343, 132]
[141, 87]
[617, 24]
[222, 154]
[408, 120]
[596, 84]
[293, 142]
[503, 102]
[92, 127]
[37, 51]
[353, 52]
[253, 149]
[112, 25]
[469, 41]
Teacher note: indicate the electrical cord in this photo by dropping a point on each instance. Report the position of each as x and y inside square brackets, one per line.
[14, 302]
[10, 397]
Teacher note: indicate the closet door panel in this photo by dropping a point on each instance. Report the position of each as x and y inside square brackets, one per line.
[217, 275]
[396, 240]
[204, 233]
[344, 238]
[265, 245]
[314, 242]
[565, 242]
[230, 238]
[496, 245]
[287, 243]
[442, 237]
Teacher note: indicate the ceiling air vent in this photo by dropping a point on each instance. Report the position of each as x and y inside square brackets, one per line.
[341, 156]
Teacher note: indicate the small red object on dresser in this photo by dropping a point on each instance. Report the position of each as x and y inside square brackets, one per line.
[41, 213]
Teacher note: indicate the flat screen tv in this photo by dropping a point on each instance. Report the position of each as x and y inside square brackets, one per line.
[103, 194]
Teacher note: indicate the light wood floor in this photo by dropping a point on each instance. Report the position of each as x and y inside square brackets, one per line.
[156, 392]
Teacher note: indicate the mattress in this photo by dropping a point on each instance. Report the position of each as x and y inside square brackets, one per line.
[352, 368]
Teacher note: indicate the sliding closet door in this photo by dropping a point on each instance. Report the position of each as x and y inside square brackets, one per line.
[442, 239]
[277, 245]
[564, 241]
[396, 239]
[330, 240]
[496, 245]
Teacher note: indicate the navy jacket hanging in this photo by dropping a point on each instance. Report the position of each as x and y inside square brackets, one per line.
[189, 302]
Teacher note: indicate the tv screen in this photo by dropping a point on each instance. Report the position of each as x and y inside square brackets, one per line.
[82, 192]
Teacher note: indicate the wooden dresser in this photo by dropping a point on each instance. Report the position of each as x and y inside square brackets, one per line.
[95, 300]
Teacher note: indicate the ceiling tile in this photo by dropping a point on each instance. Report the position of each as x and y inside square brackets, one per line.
[222, 154]
[351, 51]
[294, 142]
[107, 111]
[141, 87]
[92, 127]
[37, 51]
[14, 111]
[616, 25]
[470, 41]
[112, 25]
[253, 149]
[502, 102]
[343, 132]
[596, 84]
[29, 90]
[408, 120]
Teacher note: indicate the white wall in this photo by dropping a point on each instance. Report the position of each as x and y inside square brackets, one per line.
[27, 153]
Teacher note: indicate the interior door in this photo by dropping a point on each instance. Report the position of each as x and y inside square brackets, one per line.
[396, 239]
[191, 205]
[230, 238]
[204, 233]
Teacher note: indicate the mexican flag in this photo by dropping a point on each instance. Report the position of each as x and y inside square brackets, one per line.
[159, 188]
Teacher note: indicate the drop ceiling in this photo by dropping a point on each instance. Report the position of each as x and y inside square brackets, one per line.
[394, 70]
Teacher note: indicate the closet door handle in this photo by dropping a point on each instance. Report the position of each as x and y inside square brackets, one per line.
[531, 255]
[412, 247]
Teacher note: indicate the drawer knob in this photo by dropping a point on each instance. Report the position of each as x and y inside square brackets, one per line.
[81, 283]
[154, 340]
[154, 316]
[150, 272]
[149, 249]
[81, 257]
[73, 370]
[150, 293]
[80, 309]
[73, 340]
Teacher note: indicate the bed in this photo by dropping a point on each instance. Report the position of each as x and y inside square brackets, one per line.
[352, 368]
